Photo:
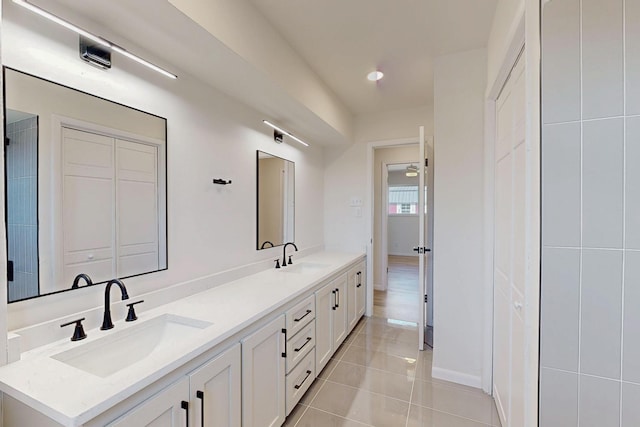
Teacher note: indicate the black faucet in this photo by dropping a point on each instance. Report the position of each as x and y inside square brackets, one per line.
[106, 322]
[284, 253]
[76, 281]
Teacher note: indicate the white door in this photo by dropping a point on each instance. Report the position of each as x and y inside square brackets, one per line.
[422, 249]
[324, 326]
[339, 322]
[509, 250]
[428, 265]
[263, 376]
[215, 391]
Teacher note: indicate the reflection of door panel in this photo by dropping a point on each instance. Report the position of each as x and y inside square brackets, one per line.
[137, 213]
[87, 205]
[109, 207]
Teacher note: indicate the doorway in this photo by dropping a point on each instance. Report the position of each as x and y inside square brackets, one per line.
[397, 297]
[399, 286]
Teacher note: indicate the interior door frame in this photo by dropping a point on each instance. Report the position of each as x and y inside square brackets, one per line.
[369, 206]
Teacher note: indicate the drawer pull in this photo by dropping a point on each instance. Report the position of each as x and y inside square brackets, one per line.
[185, 405]
[302, 346]
[335, 300]
[303, 316]
[284, 354]
[305, 378]
[200, 395]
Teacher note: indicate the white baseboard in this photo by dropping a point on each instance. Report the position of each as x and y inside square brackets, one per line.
[457, 377]
[499, 406]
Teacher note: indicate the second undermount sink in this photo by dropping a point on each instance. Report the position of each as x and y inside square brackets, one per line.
[304, 267]
[116, 351]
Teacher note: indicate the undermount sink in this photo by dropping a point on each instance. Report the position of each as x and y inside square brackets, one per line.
[304, 267]
[119, 350]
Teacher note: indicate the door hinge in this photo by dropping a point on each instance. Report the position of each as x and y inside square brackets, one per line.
[426, 299]
[7, 141]
[426, 162]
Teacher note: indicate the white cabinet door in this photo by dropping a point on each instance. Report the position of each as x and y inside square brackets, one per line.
[356, 286]
[324, 328]
[215, 391]
[169, 408]
[339, 311]
[263, 376]
[352, 282]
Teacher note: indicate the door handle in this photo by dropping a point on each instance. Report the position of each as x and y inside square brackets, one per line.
[185, 405]
[421, 250]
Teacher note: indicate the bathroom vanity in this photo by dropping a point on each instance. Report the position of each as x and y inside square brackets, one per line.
[239, 354]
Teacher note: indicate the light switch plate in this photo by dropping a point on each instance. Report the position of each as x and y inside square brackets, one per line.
[355, 201]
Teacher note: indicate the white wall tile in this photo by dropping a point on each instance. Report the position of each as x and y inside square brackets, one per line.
[632, 188]
[561, 61]
[599, 402]
[558, 398]
[602, 58]
[601, 315]
[632, 55]
[561, 185]
[630, 405]
[631, 342]
[560, 309]
[602, 183]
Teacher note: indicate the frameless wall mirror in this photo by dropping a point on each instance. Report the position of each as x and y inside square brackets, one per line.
[276, 204]
[85, 188]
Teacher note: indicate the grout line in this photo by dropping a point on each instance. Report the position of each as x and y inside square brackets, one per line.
[306, 408]
[413, 386]
[581, 208]
[624, 192]
[340, 416]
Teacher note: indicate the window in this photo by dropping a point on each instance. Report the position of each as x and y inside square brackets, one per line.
[403, 200]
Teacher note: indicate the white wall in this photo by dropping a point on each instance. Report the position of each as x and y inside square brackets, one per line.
[210, 228]
[591, 214]
[403, 234]
[505, 22]
[346, 170]
[459, 307]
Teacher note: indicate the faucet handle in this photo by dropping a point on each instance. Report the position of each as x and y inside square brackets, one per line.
[290, 262]
[131, 315]
[78, 332]
[277, 263]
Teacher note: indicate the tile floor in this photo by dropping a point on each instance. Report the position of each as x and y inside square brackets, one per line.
[379, 378]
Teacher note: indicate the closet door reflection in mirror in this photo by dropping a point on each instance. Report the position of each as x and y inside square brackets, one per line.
[85, 190]
[275, 200]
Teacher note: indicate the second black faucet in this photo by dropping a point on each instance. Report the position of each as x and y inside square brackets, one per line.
[284, 253]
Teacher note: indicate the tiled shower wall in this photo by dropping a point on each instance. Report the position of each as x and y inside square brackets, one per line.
[590, 309]
[22, 207]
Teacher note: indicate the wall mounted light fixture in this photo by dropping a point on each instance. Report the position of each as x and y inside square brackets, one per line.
[100, 40]
[289, 134]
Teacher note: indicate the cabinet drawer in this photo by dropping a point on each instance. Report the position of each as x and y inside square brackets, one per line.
[300, 315]
[300, 345]
[300, 379]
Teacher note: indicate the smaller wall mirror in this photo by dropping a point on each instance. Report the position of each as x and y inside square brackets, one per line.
[275, 200]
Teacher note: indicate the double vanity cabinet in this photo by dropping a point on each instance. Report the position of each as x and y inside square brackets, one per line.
[252, 376]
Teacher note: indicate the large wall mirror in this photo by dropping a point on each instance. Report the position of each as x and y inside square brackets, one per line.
[276, 200]
[85, 188]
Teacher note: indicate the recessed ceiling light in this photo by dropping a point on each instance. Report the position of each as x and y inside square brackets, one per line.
[374, 76]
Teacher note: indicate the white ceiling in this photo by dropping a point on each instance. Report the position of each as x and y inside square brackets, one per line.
[343, 40]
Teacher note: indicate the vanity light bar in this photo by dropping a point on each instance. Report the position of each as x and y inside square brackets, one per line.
[90, 36]
[289, 134]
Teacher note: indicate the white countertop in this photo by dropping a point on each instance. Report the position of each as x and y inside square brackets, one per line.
[72, 397]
